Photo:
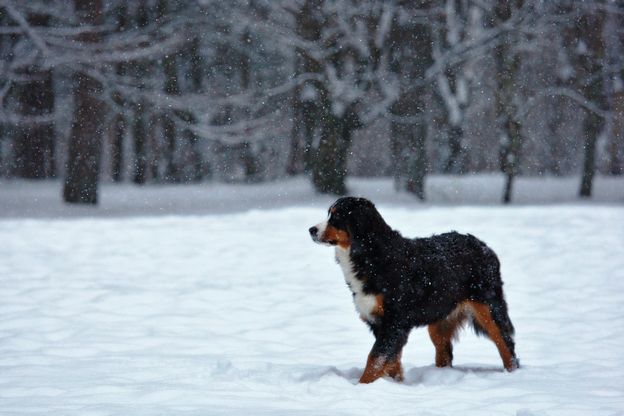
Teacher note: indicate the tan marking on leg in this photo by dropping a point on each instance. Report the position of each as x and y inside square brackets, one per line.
[442, 342]
[377, 367]
[394, 369]
[483, 316]
[442, 333]
[374, 369]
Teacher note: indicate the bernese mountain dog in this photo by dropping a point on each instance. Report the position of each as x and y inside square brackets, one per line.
[443, 281]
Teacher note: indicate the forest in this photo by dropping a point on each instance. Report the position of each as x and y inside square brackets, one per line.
[178, 91]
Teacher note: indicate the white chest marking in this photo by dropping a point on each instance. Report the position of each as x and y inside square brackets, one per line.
[364, 304]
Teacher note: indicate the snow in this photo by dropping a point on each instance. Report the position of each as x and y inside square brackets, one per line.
[41, 199]
[242, 313]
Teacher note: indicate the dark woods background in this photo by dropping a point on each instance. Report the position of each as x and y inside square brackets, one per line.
[154, 91]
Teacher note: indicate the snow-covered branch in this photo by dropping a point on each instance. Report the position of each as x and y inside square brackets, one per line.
[567, 92]
[26, 28]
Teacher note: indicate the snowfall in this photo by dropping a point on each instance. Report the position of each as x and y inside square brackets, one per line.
[212, 300]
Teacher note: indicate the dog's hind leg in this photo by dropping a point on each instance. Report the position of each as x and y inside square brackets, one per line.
[442, 333]
[498, 310]
[441, 339]
[493, 319]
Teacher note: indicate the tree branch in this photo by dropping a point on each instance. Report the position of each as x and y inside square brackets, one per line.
[28, 31]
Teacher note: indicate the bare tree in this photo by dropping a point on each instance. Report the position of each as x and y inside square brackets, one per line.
[613, 70]
[411, 37]
[171, 87]
[342, 63]
[453, 85]
[507, 65]
[32, 86]
[308, 26]
[83, 165]
[119, 121]
[140, 69]
[586, 46]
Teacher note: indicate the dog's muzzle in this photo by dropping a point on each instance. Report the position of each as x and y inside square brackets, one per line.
[317, 232]
[314, 234]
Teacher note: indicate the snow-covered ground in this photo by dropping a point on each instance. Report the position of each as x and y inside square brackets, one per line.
[42, 199]
[241, 314]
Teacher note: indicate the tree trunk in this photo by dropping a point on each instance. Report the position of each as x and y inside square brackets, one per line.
[417, 165]
[510, 157]
[454, 163]
[408, 127]
[592, 126]
[592, 84]
[309, 127]
[613, 51]
[410, 156]
[35, 139]
[295, 157]
[302, 134]
[172, 173]
[452, 84]
[118, 132]
[305, 97]
[507, 65]
[140, 70]
[171, 87]
[85, 142]
[139, 131]
[251, 164]
[616, 145]
[201, 168]
[119, 122]
[327, 176]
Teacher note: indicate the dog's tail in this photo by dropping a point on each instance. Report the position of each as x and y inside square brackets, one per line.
[490, 293]
[498, 311]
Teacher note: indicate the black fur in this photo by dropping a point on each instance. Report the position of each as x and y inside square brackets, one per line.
[422, 280]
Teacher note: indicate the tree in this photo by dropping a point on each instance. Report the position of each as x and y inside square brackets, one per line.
[200, 168]
[613, 70]
[590, 33]
[308, 26]
[83, 165]
[453, 84]
[171, 87]
[342, 62]
[410, 37]
[507, 62]
[140, 70]
[586, 47]
[34, 135]
[119, 122]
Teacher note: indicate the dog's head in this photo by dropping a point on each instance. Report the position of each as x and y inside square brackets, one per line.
[349, 219]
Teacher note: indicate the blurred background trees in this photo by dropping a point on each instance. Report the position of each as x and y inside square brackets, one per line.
[169, 91]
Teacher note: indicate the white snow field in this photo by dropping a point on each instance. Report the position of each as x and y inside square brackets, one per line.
[242, 314]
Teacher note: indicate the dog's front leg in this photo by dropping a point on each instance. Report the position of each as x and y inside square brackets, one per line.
[385, 357]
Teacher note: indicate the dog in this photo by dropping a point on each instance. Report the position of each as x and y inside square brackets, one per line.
[443, 281]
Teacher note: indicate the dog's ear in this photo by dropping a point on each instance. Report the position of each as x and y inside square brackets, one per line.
[358, 219]
[365, 226]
